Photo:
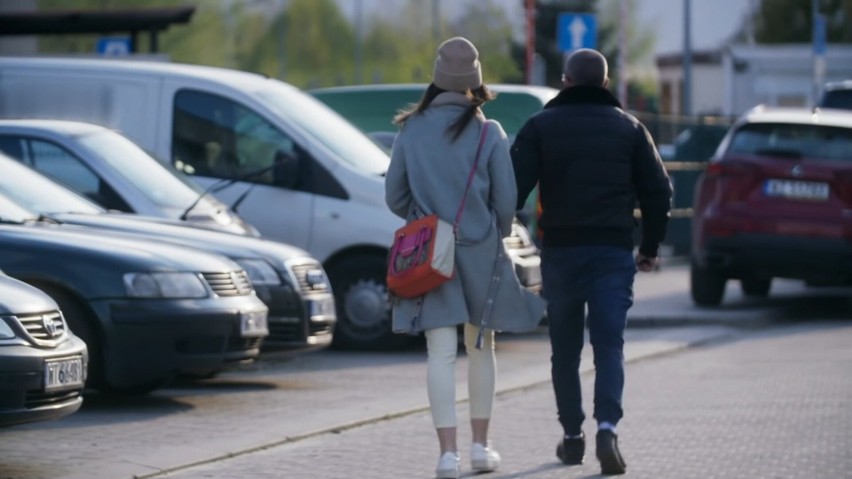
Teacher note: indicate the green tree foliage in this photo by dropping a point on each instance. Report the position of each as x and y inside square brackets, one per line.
[639, 50]
[312, 43]
[318, 42]
[485, 24]
[401, 49]
[791, 21]
[200, 41]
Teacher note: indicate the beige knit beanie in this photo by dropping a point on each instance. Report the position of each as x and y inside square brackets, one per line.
[457, 66]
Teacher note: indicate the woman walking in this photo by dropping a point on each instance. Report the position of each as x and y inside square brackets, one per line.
[446, 147]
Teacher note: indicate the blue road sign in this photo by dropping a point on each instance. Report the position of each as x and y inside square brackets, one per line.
[576, 30]
[113, 46]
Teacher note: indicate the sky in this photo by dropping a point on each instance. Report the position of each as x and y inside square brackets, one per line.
[713, 21]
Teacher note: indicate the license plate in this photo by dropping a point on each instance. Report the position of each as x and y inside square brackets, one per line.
[322, 308]
[799, 190]
[254, 323]
[63, 373]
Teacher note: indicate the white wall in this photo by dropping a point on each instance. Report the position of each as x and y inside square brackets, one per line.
[746, 76]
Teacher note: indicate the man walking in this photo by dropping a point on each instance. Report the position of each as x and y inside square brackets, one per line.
[592, 162]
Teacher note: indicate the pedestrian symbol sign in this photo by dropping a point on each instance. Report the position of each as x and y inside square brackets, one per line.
[576, 30]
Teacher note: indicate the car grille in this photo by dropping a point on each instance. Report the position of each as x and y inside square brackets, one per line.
[311, 277]
[45, 329]
[37, 399]
[233, 283]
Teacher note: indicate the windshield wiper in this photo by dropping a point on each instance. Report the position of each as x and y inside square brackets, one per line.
[224, 183]
[5, 221]
[42, 218]
[32, 219]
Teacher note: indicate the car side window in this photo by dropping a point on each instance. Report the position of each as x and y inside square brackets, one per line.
[217, 137]
[63, 167]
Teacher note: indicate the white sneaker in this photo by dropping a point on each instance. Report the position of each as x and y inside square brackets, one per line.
[449, 466]
[483, 458]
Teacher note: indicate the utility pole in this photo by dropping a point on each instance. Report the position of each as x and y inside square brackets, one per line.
[359, 53]
[436, 21]
[686, 100]
[624, 12]
[529, 11]
[819, 39]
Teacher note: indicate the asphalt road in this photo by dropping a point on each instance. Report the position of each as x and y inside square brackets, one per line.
[304, 403]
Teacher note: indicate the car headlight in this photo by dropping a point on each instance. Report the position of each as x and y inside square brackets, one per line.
[260, 272]
[164, 285]
[6, 330]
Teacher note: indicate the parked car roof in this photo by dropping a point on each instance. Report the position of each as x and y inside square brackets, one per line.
[372, 107]
[41, 195]
[143, 67]
[798, 115]
[276, 269]
[148, 187]
[837, 95]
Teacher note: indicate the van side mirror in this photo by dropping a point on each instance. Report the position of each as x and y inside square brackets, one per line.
[286, 172]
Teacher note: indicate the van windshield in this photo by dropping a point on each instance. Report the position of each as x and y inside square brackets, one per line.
[164, 185]
[326, 126]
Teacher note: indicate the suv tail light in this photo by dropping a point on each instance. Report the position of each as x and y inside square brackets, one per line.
[844, 186]
[734, 180]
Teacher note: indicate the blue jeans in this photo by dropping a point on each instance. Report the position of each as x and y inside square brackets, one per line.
[600, 277]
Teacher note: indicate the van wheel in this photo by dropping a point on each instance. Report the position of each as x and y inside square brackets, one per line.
[363, 310]
[756, 287]
[707, 286]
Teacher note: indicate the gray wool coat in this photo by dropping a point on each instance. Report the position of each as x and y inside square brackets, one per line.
[429, 170]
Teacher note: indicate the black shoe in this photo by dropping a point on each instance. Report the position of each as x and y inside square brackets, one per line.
[608, 454]
[572, 450]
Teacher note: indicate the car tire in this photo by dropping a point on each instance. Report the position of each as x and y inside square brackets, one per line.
[756, 287]
[707, 286]
[363, 310]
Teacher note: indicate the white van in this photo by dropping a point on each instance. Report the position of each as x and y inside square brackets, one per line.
[288, 164]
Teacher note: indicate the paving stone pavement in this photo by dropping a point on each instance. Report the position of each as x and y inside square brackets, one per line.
[771, 404]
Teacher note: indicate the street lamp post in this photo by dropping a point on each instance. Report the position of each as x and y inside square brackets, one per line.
[359, 53]
[819, 39]
[529, 11]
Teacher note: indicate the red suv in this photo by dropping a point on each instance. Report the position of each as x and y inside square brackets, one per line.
[775, 201]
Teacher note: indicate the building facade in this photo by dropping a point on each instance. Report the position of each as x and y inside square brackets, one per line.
[732, 79]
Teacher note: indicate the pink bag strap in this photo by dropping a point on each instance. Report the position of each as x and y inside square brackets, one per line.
[470, 178]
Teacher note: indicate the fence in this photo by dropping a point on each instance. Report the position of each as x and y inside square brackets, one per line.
[685, 143]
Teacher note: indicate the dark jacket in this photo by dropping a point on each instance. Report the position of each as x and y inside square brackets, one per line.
[593, 161]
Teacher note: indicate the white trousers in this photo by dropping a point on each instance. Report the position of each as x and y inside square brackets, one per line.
[442, 349]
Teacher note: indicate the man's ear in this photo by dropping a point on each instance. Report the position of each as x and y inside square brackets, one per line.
[606, 82]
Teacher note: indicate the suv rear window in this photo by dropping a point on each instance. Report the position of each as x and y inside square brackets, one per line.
[793, 141]
[840, 99]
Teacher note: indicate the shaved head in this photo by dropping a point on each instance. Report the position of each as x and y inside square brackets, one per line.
[586, 67]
